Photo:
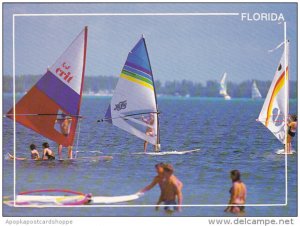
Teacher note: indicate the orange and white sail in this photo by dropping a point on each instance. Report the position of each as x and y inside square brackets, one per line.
[56, 95]
[275, 109]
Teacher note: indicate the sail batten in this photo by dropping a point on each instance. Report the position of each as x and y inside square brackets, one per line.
[56, 95]
[274, 112]
[133, 107]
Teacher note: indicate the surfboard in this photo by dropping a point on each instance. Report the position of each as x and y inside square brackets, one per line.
[114, 199]
[282, 152]
[77, 199]
[92, 158]
[168, 152]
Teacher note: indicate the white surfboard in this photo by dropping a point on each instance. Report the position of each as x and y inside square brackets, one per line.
[282, 152]
[87, 158]
[168, 152]
[115, 199]
[42, 200]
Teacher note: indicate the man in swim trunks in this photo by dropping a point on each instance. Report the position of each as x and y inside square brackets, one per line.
[238, 193]
[170, 190]
[65, 124]
[292, 127]
[48, 154]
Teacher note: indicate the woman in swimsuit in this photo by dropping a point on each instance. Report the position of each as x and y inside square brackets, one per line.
[48, 154]
[34, 153]
[292, 127]
[238, 193]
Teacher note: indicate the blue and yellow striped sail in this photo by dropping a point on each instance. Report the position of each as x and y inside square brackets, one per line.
[137, 68]
[133, 107]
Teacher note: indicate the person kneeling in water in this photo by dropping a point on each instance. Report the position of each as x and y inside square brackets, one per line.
[48, 154]
[34, 153]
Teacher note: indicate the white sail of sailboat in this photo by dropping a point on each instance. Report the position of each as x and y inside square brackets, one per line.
[223, 87]
[255, 93]
[274, 112]
[133, 106]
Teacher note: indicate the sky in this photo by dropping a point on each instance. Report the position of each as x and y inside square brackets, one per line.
[196, 48]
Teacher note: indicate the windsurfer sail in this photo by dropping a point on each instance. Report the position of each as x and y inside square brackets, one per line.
[274, 112]
[133, 106]
[255, 94]
[223, 87]
[56, 95]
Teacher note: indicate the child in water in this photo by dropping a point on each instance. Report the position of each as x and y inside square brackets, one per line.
[48, 154]
[34, 153]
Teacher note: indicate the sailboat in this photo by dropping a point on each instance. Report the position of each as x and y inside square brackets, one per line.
[133, 107]
[223, 87]
[56, 95]
[255, 94]
[275, 110]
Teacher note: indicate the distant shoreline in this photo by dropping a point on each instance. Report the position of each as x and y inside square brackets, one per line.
[105, 85]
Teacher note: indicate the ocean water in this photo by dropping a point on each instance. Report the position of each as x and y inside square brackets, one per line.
[226, 132]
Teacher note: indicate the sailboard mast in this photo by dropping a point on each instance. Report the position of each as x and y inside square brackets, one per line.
[286, 90]
[157, 146]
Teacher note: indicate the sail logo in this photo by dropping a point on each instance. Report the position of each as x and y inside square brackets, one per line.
[120, 106]
[64, 72]
[277, 117]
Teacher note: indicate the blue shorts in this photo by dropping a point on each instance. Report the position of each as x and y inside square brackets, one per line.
[170, 207]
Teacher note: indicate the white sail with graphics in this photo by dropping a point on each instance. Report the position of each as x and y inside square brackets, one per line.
[255, 94]
[223, 87]
[133, 106]
[274, 112]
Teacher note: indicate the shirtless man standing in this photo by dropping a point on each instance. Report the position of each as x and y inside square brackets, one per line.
[171, 189]
[159, 178]
[65, 124]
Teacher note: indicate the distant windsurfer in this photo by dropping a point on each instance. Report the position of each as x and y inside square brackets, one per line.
[65, 124]
[292, 127]
[237, 192]
[150, 130]
[48, 154]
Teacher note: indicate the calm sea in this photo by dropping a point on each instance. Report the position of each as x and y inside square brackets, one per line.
[226, 132]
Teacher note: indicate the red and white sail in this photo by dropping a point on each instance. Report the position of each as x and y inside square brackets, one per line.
[57, 93]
